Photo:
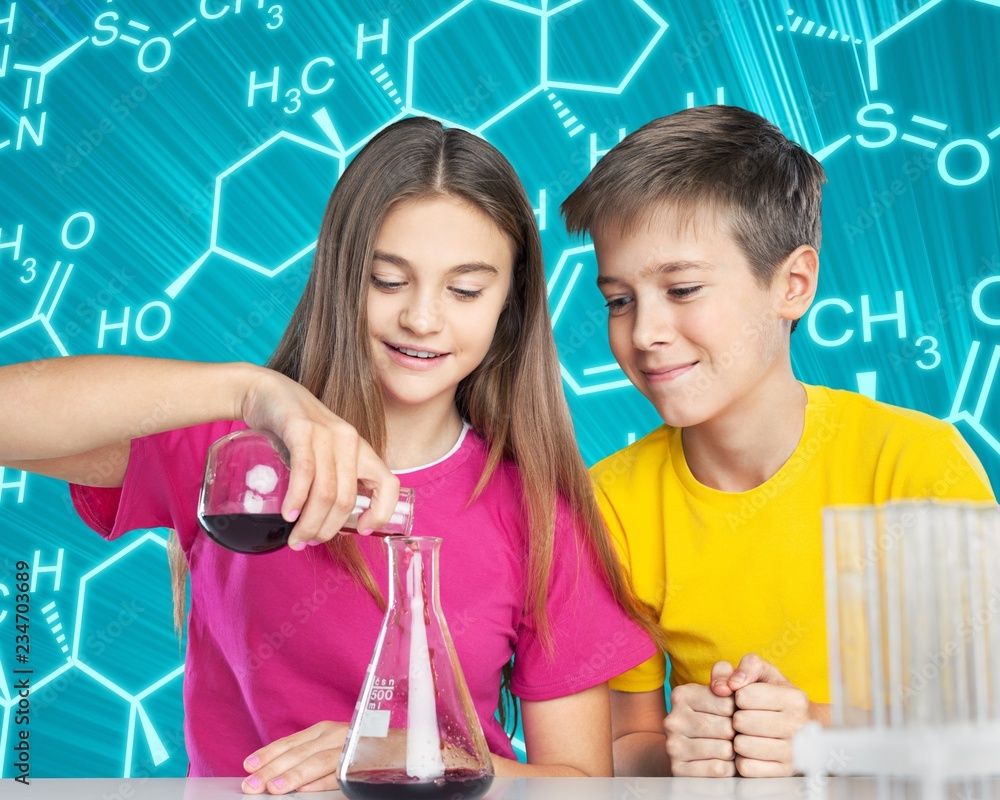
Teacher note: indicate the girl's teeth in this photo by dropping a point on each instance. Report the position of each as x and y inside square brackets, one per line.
[415, 353]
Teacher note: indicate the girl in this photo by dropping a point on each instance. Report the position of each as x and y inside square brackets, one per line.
[422, 339]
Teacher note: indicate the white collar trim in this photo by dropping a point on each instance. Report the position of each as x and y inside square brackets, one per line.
[461, 438]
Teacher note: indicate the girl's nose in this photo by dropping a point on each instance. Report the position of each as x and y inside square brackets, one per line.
[423, 316]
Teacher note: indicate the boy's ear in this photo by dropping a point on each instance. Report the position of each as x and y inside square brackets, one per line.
[797, 281]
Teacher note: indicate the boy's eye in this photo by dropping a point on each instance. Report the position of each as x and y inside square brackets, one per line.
[387, 286]
[682, 291]
[467, 294]
[618, 305]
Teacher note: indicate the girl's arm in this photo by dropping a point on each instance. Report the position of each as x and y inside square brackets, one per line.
[73, 418]
[640, 743]
[55, 410]
[567, 736]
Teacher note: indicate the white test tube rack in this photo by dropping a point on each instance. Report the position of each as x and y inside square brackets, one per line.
[913, 620]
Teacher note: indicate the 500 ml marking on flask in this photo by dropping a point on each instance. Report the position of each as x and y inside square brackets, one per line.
[375, 721]
[382, 690]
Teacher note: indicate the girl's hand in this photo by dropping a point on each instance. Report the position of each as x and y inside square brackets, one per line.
[328, 457]
[305, 761]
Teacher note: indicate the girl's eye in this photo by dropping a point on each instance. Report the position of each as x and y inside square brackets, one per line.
[387, 286]
[467, 294]
[618, 305]
[682, 291]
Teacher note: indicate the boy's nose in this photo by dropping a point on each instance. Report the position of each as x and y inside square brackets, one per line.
[651, 328]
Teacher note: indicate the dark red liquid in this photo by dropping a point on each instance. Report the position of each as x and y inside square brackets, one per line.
[395, 784]
[247, 533]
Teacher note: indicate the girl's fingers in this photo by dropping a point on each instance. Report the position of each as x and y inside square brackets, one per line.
[309, 762]
[309, 756]
[346, 447]
[322, 495]
[385, 490]
[333, 492]
[328, 783]
[303, 470]
[327, 459]
[271, 751]
[302, 466]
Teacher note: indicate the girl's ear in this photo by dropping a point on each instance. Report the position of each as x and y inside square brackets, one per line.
[797, 281]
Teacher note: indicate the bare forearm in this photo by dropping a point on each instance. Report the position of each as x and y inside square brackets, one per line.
[643, 753]
[73, 405]
[508, 768]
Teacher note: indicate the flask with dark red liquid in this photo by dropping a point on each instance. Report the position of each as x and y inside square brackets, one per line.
[415, 732]
[246, 479]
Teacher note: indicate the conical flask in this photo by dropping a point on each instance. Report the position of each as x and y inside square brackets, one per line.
[415, 732]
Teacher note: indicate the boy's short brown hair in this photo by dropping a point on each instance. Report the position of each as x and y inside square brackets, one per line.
[721, 157]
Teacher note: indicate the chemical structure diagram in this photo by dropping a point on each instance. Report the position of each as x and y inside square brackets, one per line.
[960, 162]
[76, 659]
[302, 93]
[88, 653]
[878, 115]
[153, 53]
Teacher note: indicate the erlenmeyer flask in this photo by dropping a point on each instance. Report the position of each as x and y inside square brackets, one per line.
[415, 732]
[246, 479]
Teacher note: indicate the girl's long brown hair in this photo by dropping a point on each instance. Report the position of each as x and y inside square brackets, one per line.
[513, 399]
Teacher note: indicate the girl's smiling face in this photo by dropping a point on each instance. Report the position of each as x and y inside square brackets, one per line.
[439, 281]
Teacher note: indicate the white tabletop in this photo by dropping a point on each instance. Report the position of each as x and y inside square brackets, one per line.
[509, 789]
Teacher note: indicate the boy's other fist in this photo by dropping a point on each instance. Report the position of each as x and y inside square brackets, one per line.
[769, 712]
[699, 729]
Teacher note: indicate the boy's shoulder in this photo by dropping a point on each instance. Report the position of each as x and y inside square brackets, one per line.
[853, 419]
[854, 413]
[645, 456]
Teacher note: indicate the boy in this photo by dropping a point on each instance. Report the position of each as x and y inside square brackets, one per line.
[706, 227]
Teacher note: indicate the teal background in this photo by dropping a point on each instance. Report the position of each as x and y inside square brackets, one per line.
[192, 203]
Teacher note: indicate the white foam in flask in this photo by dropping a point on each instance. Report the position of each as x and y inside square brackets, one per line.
[423, 742]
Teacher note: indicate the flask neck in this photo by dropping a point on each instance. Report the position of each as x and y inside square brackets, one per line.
[413, 571]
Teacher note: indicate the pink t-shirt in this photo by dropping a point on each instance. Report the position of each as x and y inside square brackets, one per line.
[280, 641]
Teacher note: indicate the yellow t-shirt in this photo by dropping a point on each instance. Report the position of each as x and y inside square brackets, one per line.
[733, 573]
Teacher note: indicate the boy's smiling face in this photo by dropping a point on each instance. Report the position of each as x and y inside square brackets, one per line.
[688, 321]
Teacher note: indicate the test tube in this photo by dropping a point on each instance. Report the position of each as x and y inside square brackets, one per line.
[991, 598]
[892, 528]
[873, 615]
[850, 604]
[974, 527]
[831, 576]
